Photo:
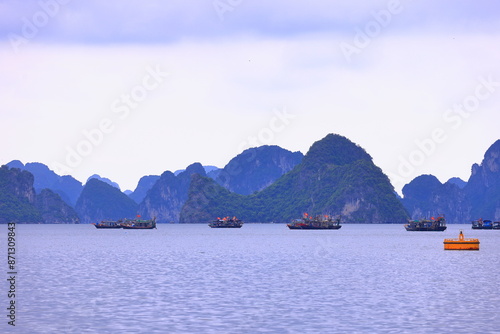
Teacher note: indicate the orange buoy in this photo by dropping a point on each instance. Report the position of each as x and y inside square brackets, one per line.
[461, 243]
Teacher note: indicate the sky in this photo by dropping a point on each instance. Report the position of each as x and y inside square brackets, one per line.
[125, 89]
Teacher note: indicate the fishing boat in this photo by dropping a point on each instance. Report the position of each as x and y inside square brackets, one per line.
[226, 222]
[461, 243]
[434, 224]
[108, 224]
[486, 224]
[320, 222]
[139, 224]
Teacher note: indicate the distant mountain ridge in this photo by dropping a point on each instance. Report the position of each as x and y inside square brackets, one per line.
[459, 201]
[147, 182]
[335, 177]
[101, 201]
[20, 203]
[425, 197]
[66, 186]
[104, 179]
[250, 171]
[207, 169]
[143, 186]
[277, 184]
[458, 182]
[169, 193]
[257, 168]
[483, 187]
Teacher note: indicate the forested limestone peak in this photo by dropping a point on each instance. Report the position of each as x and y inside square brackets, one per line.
[336, 150]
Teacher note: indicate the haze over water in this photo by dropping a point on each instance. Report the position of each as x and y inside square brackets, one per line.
[262, 278]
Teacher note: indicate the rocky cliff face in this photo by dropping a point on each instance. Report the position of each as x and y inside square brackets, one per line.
[101, 201]
[426, 196]
[166, 198]
[460, 202]
[335, 177]
[19, 183]
[257, 168]
[19, 202]
[66, 186]
[143, 186]
[483, 187]
[54, 210]
[17, 197]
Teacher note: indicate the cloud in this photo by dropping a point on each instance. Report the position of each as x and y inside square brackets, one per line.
[229, 75]
[396, 93]
[156, 21]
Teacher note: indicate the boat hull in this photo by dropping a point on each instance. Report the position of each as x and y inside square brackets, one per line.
[138, 227]
[429, 229]
[487, 224]
[108, 224]
[295, 227]
[128, 224]
[226, 222]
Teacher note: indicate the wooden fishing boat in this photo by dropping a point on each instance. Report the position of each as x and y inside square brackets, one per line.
[434, 224]
[108, 224]
[485, 224]
[226, 222]
[139, 224]
[320, 222]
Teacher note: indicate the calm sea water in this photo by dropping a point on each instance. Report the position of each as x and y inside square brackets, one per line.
[257, 279]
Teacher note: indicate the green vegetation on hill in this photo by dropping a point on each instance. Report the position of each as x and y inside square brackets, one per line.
[54, 210]
[66, 186]
[335, 177]
[17, 197]
[14, 209]
[169, 193]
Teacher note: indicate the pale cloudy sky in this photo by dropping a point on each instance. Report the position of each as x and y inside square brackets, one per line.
[131, 88]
